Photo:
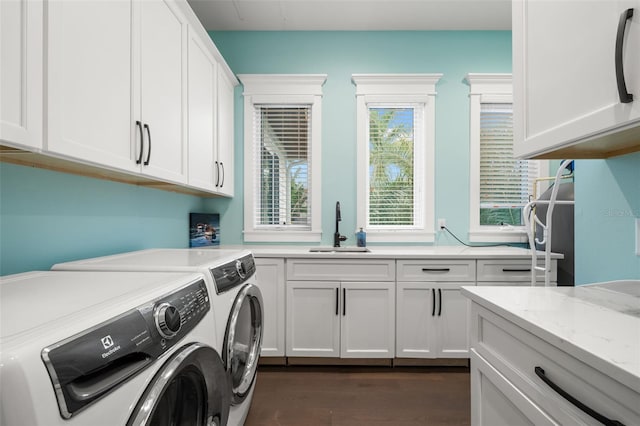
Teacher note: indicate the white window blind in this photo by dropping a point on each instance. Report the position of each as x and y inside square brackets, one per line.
[394, 200]
[283, 175]
[505, 182]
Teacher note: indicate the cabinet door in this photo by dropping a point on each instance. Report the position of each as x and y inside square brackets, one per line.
[416, 327]
[162, 89]
[271, 283]
[313, 320]
[453, 322]
[202, 113]
[89, 81]
[21, 76]
[368, 320]
[565, 85]
[225, 133]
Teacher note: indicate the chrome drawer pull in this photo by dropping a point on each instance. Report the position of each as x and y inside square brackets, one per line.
[599, 417]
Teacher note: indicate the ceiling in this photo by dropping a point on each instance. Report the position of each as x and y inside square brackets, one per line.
[352, 15]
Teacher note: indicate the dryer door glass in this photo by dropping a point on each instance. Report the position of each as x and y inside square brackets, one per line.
[189, 390]
[243, 341]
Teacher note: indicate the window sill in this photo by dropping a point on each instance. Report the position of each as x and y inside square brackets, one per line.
[282, 236]
[498, 236]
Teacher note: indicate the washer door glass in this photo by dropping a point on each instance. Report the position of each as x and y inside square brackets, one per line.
[243, 341]
[189, 390]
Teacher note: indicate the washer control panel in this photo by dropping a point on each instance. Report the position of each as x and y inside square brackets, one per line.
[233, 274]
[89, 365]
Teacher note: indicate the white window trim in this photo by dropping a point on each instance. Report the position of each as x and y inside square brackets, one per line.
[488, 88]
[397, 88]
[284, 89]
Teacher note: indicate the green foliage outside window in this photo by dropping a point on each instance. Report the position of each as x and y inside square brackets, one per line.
[391, 162]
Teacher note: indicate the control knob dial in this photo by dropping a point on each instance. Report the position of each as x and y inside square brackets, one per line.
[168, 320]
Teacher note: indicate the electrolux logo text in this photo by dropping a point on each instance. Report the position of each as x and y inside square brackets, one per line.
[108, 343]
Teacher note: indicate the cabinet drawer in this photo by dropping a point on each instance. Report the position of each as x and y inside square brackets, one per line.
[436, 270]
[511, 270]
[341, 270]
[496, 401]
[516, 354]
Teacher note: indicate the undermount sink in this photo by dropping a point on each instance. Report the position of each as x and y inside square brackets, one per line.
[339, 249]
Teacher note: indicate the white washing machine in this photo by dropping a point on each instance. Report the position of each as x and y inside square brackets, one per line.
[236, 299]
[109, 348]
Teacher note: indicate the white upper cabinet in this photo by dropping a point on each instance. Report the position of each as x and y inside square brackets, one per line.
[89, 82]
[225, 158]
[210, 111]
[202, 115]
[571, 60]
[162, 89]
[116, 85]
[132, 90]
[21, 75]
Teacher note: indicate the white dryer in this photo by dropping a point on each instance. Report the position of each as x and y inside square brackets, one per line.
[112, 348]
[236, 299]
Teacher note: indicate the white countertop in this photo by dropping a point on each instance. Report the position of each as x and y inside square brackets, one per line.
[592, 323]
[395, 252]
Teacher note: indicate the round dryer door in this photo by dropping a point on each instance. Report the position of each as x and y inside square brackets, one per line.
[243, 341]
[189, 390]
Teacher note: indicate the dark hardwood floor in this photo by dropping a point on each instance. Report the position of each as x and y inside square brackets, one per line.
[355, 396]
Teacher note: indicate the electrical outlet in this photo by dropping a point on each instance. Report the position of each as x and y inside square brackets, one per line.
[442, 223]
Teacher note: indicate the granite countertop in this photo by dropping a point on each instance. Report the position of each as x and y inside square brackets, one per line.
[597, 324]
[394, 252]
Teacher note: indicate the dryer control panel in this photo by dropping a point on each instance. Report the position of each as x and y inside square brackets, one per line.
[85, 367]
[233, 274]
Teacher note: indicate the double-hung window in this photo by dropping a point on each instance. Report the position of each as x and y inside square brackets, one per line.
[282, 116]
[395, 172]
[500, 185]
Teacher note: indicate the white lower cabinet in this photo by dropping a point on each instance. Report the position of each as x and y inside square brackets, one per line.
[313, 319]
[498, 402]
[340, 319]
[271, 283]
[340, 308]
[368, 319]
[518, 378]
[432, 320]
[432, 316]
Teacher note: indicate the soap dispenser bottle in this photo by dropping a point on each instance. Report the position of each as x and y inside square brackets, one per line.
[361, 238]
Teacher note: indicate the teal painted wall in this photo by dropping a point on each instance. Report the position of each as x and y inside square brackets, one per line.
[341, 54]
[607, 204]
[48, 217]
